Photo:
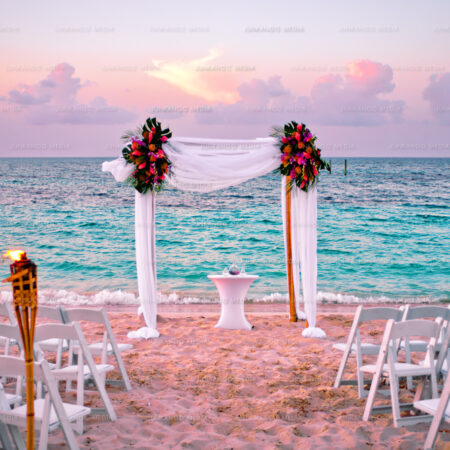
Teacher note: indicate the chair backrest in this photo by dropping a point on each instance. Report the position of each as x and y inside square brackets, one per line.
[10, 332]
[428, 311]
[6, 310]
[13, 367]
[55, 330]
[49, 312]
[444, 351]
[380, 313]
[85, 314]
[423, 328]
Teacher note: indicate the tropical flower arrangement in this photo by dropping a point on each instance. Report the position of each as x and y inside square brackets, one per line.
[300, 158]
[146, 153]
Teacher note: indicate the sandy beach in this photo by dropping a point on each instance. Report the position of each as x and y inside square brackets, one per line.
[201, 387]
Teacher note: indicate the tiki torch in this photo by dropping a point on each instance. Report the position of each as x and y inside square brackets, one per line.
[24, 284]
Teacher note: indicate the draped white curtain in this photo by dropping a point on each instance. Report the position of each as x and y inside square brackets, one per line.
[304, 252]
[205, 165]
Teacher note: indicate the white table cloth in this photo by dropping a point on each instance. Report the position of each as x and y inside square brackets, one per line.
[232, 290]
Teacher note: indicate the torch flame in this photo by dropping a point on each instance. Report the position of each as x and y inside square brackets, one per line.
[15, 255]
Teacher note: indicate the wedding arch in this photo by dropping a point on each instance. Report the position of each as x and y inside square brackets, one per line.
[151, 159]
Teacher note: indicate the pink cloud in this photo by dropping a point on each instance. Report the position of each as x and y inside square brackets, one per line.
[437, 93]
[354, 99]
[54, 100]
[267, 102]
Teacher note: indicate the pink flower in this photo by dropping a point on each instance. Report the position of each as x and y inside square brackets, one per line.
[164, 139]
[299, 127]
[160, 154]
[142, 165]
[297, 136]
[284, 140]
[315, 170]
[136, 153]
[150, 137]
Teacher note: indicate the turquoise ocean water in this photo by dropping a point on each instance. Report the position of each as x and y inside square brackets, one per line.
[383, 232]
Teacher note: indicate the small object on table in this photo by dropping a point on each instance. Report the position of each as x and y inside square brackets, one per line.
[232, 290]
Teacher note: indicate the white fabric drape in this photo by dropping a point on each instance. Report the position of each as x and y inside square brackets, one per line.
[304, 252]
[146, 263]
[205, 165]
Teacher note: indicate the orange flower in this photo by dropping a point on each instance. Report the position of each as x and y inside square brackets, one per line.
[301, 145]
[308, 150]
[298, 170]
[152, 147]
[152, 158]
[288, 149]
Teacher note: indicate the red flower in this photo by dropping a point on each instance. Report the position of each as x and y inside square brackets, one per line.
[315, 170]
[142, 166]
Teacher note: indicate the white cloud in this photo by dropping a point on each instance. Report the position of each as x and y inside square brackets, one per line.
[196, 77]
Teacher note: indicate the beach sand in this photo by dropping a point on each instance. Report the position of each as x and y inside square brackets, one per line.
[201, 387]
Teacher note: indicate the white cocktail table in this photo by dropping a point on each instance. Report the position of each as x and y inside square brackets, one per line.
[232, 290]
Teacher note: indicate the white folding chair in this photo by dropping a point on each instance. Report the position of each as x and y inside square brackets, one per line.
[388, 366]
[49, 412]
[439, 409]
[84, 370]
[6, 310]
[12, 333]
[355, 346]
[418, 345]
[108, 346]
[57, 346]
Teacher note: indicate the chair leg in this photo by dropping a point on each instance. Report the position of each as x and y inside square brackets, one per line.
[59, 354]
[360, 376]
[394, 399]
[432, 434]
[421, 386]
[17, 437]
[433, 384]
[341, 370]
[372, 394]
[126, 380]
[43, 438]
[80, 394]
[4, 437]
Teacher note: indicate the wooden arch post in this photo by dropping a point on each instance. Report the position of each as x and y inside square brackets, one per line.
[290, 275]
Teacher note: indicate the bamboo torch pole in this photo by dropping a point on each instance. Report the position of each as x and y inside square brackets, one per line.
[24, 283]
[292, 311]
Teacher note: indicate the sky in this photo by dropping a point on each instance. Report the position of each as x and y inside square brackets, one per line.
[369, 78]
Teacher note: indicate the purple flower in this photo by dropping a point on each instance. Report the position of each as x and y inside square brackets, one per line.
[138, 141]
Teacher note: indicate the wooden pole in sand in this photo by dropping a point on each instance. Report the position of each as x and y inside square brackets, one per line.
[292, 312]
[24, 283]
